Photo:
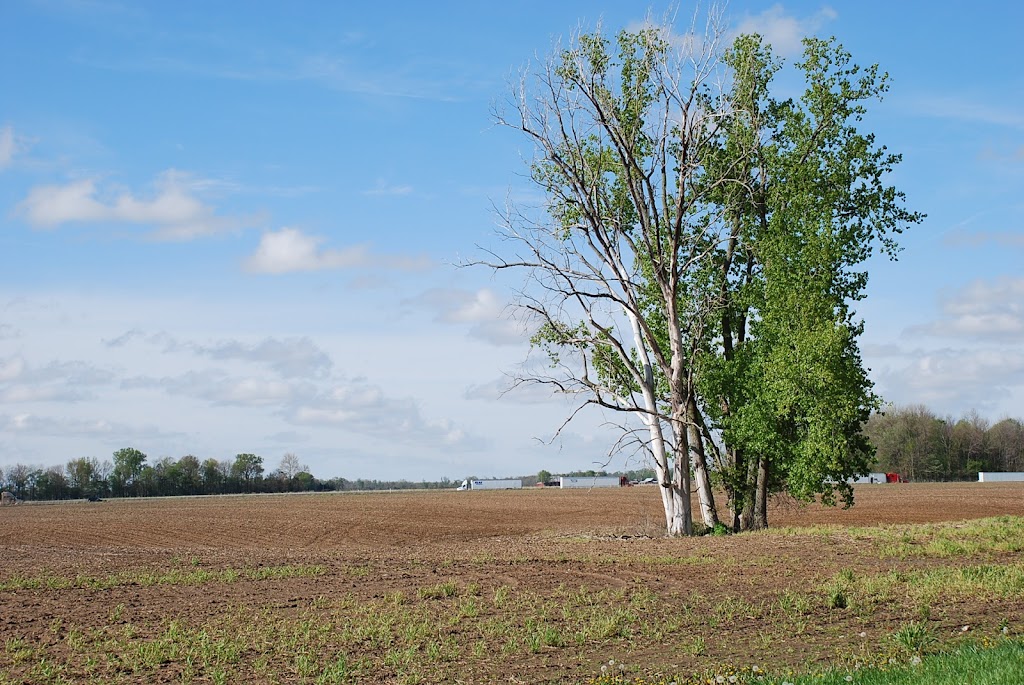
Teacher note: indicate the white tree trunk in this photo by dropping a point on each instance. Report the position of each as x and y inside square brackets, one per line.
[678, 517]
[698, 460]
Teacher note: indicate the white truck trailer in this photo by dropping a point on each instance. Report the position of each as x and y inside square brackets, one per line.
[496, 484]
[590, 481]
[869, 478]
[1000, 476]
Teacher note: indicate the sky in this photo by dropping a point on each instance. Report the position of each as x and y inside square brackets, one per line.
[235, 227]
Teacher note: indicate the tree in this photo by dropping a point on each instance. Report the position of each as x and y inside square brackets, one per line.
[189, 477]
[803, 191]
[543, 476]
[81, 475]
[697, 255]
[18, 479]
[213, 476]
[913, 442]
[1007, 442]
[247, 469]
[304, 481]
[290, 466]
[127, 472]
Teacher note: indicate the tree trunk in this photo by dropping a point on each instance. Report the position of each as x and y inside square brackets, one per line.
[678, 517]
[760, 521]
[749, 494]
[678, 514]
[682, 522]
[698, 460]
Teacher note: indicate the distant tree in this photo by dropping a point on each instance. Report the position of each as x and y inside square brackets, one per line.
[304, 481]
[103, 477]
[50, 483]
[247, 469]
[212, 476]
[1006, 441]
[82, 474]
[189, 475]
[165, 479]
[18, 479]
[543, 476]
[126, 476]
[290, 466]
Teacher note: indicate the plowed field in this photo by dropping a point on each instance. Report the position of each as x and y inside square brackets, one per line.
[518, 586]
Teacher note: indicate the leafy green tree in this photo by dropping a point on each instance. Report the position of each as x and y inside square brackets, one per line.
[82, 475]
[701, 255]
[304, 481]
[188, 475]
[1006, 439]
[127, 472]
[247, 469]
[808, 206]
[543, 476]
[18, 478]
[212, 476]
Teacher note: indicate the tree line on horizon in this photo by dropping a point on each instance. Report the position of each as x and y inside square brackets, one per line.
[128, 474]
[912, 441]
[923, 446]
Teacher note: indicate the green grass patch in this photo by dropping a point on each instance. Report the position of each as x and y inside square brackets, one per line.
[973, 664]
[148, 578]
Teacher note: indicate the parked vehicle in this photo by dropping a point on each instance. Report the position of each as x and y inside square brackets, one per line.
[495, 484]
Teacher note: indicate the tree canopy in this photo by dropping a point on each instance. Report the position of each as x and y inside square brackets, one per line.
[696, 261]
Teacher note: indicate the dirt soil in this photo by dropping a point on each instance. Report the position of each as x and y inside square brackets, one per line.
[531, 543]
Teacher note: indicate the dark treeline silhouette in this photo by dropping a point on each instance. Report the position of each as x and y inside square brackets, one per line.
[921, 446]
[130, 474]
[912, 441]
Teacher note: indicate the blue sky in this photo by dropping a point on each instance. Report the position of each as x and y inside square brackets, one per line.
[230, 227]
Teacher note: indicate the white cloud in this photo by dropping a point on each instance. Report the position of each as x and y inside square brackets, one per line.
[8, 146]
[951, 379]
[219, 388]
[289, 357]
[980, 238]
[493, 320]
[384, 188]
[172, 209]
[783, 31]
[505, 389]
[380, 417]
[304, 391]
[34, 425]
[290, 250]
[55, 382]
[984, 310]
[11, 369]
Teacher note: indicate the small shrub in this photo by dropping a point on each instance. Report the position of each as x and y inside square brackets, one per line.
[917, 638]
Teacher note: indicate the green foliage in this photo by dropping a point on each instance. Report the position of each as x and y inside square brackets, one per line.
[247, 468]
[916, 443]
[808, 208]
[128, 470]
[704, 251]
